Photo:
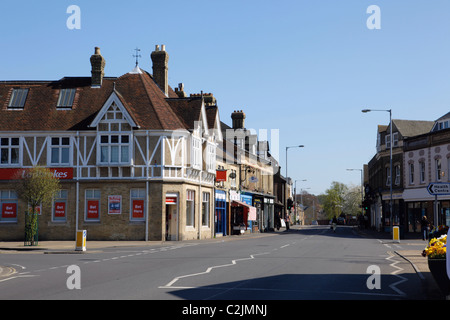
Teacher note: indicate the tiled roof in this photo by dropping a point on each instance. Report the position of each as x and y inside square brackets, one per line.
[147, 104]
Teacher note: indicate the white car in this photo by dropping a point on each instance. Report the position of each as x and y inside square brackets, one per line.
[314, 223]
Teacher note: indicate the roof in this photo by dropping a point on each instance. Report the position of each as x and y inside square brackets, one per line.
[147, 104]
[411, 128]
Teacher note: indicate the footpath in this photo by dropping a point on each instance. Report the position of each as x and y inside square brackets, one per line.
[414, 257]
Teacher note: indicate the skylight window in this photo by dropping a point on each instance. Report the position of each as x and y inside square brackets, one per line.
[66, 97]
[18, 98]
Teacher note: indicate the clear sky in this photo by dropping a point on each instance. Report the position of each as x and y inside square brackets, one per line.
[305, 68]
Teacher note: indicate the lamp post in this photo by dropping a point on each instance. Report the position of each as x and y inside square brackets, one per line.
[300, 146]
[362, 192]
[295, 197]
[390, 158]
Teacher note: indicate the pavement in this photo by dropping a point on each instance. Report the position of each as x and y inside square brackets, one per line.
[414, 257]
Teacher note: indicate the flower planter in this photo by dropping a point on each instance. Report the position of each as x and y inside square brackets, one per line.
[438, 268]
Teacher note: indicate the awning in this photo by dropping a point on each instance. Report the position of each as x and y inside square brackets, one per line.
[250, 210]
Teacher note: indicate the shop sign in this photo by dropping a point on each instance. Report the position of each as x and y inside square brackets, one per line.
[14, 173]
[221, 175]
[114, 204]
[171, 200]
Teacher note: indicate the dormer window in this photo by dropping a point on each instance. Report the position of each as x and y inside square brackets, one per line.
[66, 97]
[18, 98]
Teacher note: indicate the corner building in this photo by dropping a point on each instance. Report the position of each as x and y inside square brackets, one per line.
[135, 158]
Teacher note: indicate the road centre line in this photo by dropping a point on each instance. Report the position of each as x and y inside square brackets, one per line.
[209, 269]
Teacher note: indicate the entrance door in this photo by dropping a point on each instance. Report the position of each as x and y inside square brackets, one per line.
[171, 222]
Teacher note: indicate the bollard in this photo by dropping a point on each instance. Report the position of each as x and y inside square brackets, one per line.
[396, 234]
[81, 240]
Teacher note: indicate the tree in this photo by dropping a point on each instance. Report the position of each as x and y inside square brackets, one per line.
[333, 201]
[35, 186]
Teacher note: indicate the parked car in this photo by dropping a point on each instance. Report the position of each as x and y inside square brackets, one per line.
[314, 223]
[341, 220]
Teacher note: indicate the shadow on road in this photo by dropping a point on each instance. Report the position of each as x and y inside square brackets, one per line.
[301, 287]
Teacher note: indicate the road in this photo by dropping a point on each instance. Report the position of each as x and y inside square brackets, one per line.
[310, 263]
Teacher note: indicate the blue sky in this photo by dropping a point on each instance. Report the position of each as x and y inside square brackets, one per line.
[305, 68]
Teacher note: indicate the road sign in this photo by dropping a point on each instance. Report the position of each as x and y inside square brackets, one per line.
[439, 188]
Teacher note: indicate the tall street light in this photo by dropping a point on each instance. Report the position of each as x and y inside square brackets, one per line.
[300, 146]
[390, 157]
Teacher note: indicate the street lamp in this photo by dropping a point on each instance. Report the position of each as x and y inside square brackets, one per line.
[362, 192]
[295, 197]
[300, 146]
[390, 156]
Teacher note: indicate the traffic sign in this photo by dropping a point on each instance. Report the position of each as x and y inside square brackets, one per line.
[439, 188]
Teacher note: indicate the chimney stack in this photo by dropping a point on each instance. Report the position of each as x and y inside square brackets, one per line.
[98, 68]
[160, 59]
[238, 118]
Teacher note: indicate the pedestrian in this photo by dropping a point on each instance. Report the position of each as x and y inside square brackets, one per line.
[287, 220]
[278, 220]
[425, 224]
[334, 222]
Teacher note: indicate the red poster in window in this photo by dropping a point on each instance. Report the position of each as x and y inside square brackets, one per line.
[9, 210]
[60, 209]
[93, 209]
[138, 209]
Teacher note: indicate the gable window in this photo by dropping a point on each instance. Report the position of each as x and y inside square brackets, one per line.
[66, 97]
[394, 140]
[9, 150]
[18, 98]
[60, 151]
[115, 149]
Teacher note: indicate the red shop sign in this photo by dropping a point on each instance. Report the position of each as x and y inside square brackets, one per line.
[13, 173]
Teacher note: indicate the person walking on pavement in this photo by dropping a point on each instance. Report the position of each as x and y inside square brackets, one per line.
[425, 226]
[287, 220]
[334, 222]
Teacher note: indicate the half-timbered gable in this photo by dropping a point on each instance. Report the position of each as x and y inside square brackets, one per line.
[126, 138]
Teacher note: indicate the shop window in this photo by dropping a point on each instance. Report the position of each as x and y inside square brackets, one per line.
[60, 206]
[190, 208]
[92, 205]
[137, 202]
[8, 206]
[205, 209]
